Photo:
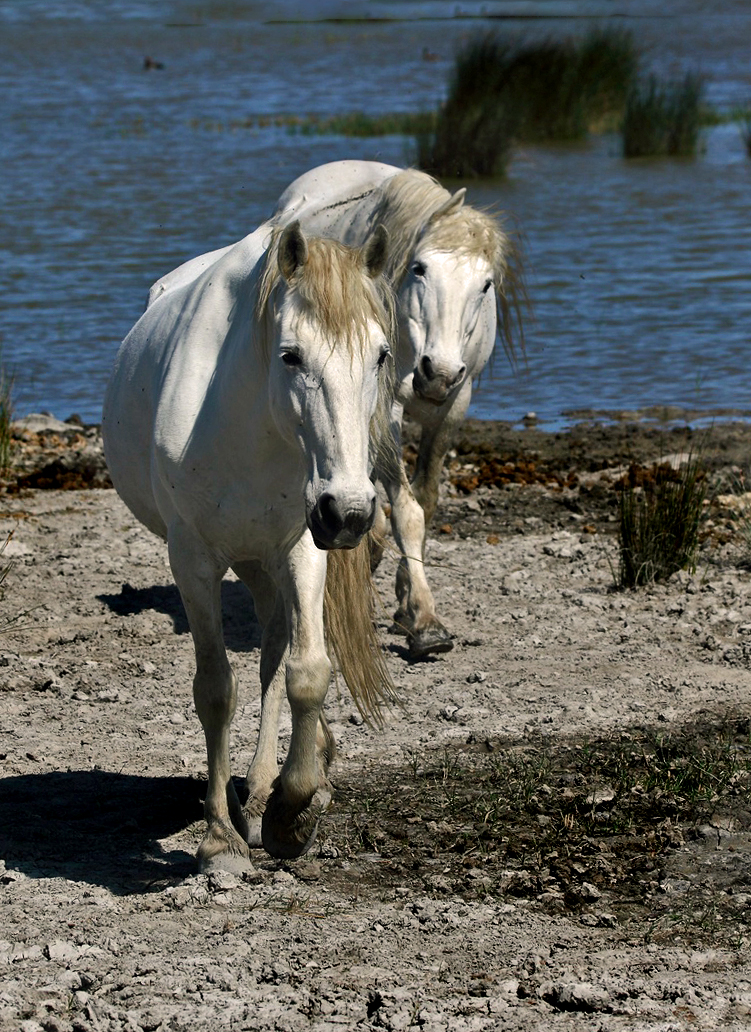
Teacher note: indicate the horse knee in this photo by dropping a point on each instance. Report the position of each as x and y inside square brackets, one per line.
[215, 695]
[308, 681]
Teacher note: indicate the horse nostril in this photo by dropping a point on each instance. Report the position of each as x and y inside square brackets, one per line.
[427, 367]
[460, 375]
[329, 513]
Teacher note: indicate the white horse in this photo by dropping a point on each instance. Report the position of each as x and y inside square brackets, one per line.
[456, 278]
[238, 426]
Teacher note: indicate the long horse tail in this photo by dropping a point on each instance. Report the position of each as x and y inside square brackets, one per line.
[349, 610]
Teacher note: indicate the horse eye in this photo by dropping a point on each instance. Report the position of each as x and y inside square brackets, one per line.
[418, 269]
[291, 358]
[487, 286]
[386, 353]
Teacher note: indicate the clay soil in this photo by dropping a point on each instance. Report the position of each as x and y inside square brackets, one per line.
[552, 831]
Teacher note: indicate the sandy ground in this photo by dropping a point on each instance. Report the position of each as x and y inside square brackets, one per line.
[387, 924]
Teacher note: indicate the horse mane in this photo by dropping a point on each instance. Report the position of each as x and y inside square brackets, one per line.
[410, 209]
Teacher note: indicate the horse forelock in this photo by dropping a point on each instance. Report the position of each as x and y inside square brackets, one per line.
[410, 209]
[334, 290]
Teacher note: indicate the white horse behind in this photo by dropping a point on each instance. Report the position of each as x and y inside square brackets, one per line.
[238, 426]
[457, 281]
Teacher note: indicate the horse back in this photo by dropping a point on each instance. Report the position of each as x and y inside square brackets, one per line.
[335, 199]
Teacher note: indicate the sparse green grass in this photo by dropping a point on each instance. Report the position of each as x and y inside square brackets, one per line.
[663, 119]
[353, 123]
[572, 825]
[659, 515]
[4, 567]
[358, 124]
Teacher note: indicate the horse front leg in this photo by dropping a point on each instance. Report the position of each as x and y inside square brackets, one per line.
[263, 770]
[435, 441]
[416, 615]
[198, 575]
[302, 792]
[417, 611]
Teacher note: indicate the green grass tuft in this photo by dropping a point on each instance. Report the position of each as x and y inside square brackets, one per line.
[501, 93]
[663, 119]
[659, 515]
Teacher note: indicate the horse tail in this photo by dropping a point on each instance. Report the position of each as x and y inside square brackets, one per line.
[349, 610]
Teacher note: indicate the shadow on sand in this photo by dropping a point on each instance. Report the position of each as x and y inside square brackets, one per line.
[99, 827]
[242, 632]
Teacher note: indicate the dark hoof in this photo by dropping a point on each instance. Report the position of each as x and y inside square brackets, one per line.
[429, 640]
[287, 833]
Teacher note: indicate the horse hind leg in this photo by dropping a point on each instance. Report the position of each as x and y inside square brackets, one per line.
[198, 578]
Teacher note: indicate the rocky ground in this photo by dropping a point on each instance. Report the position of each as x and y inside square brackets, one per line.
[553, 831]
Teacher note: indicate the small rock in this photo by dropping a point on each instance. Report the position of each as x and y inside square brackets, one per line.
[576, 996]
[222, 881]
[589, 892]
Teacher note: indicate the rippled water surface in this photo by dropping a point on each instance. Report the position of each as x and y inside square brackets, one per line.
[639, 272]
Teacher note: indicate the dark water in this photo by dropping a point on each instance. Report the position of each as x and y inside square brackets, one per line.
[640, 272]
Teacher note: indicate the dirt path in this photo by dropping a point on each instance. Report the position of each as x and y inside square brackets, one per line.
[462, 880]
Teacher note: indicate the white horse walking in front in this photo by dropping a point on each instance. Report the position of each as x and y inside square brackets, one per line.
[238, 426]
[456, 278]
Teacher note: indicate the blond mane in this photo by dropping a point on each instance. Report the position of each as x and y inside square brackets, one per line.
[411, 210]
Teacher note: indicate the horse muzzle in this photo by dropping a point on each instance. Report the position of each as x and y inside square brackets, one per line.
[433, 382]
[340, 524]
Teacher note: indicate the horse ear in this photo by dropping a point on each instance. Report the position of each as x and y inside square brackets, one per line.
[293, 250]
[455, 201]
[376, 251]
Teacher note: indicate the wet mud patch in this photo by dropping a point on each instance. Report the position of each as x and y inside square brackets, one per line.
[647, 828]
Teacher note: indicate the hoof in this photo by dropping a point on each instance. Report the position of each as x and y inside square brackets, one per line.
[287, 832]
[222, 849]
[429, 640]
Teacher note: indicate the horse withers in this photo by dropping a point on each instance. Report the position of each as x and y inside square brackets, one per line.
[457, 280]
[240, 424]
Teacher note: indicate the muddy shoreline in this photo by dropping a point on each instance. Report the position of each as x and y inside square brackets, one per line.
[486, 863]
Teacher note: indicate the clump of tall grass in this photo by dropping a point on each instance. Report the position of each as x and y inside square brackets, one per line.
[663, 119]
[746, 132]
[658, 528]
[6, 418]
[501, 93]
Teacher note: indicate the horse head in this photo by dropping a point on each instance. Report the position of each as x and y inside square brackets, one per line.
[329, 368]
[446, 287]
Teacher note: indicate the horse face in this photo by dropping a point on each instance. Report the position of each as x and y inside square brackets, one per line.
[324, 397]
[443, 302]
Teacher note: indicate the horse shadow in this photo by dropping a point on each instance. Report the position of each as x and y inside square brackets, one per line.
[242, 631]
[99, 827]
